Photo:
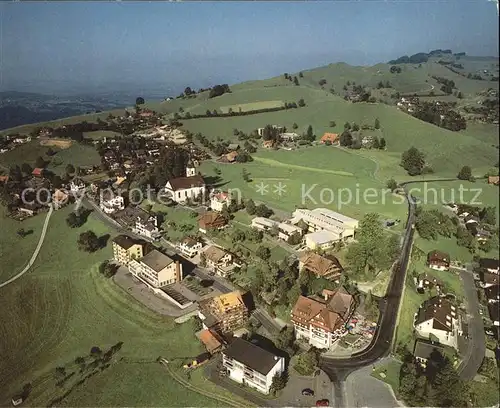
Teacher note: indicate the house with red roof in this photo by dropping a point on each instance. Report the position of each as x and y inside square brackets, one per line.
[38, 172]
[329, 138]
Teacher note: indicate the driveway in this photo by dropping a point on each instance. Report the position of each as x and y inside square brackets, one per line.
[363, 390]
[476, 346]
[143, 294]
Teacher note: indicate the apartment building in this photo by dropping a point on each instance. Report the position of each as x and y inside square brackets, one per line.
[156, 269]
[322, 322]
[438, 316]
[225, 313]
[327, 220]
[251, 365]
[125, 249]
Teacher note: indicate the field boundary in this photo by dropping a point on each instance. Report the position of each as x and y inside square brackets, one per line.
[276, 163]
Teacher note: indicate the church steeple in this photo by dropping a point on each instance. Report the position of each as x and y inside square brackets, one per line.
[190, 169]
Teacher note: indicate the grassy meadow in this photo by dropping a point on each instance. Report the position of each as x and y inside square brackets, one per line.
[62, 307]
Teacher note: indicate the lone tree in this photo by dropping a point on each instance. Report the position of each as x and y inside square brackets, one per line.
[413, 161]
[139, 101]
[70, 169]
[377, 123]
[295, 126]
[301, 103]
[88, 242]
[263, 253]
[279, 382]
[392, 184]
[465, 173]
[250, 207]
[295, 81]
[333, 123]
[382, 144]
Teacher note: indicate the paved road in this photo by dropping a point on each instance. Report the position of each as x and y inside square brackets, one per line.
[363, 390]
[476, 347]
[337, 368]
[35, 253]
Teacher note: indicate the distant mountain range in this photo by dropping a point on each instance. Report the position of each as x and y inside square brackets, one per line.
[20, 108]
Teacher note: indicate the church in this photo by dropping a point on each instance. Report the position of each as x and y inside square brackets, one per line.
[181, 188]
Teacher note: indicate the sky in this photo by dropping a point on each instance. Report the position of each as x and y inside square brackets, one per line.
[162, 47]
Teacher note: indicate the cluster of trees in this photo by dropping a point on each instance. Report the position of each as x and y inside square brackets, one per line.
[88, 242]
[219, 90]
[107, 269]
[465, 173]
[447, 84]
[77, 218]
[171, 163]
[395, 70]
[413, 161]
[347, 139]
[418, 58]
[221, 148]
[260, 210]
[382, 85]
[488, 111]
[440, 115]
[374, 250]
[438, 385]
[294, 79]
[307, 362]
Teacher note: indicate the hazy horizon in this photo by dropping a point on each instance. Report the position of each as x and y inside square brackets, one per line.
[160, 48]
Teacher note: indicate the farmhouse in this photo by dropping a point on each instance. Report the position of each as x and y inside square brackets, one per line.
[183, 188]
[289, 137]
[438, 260]
[268, 144]
[329, 138]
[495, 180]
[218, 260]
[156, 269]
[190, 246]
[211, 221]
[260, 131]
[323, 267]
[324, 219]
[218, 199]
[251, 365]
[126, 249]
[438, 317]
[225, 313]
[322, 321]
[231, 157]
[284, 231]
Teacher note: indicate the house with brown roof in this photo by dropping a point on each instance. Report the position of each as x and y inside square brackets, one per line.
[190, 187]
[488, 279]
[322, 322]
[190, 246]
[438, 260]
[126, 249]
[424, 282]
[231, 157]
[329, 138]
[224, 313]
[268, 144]
[490, 264]
[211, 221]
[439, 318]
[211, 340]
[495, 180]
[327, 267]
[218, 260]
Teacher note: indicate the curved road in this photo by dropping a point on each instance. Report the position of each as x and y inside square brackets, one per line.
[35, 254]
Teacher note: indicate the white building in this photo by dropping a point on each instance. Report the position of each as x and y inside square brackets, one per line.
[289, 137]
[156, 269]
[147, 225]
[439, 318]
[190, 247]
[111, 202]
[76, 186]
[219, 261]
[251, 365]
[190, 187]
[324, 219]
[218, 199]
[260, 131]
[284, 230]
[321, 239]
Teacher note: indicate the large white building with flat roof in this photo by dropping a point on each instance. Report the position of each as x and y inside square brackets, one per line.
[327, 220]
[285, 231]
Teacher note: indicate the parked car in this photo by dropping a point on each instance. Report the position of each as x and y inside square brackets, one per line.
[308, 392]
[322, 403]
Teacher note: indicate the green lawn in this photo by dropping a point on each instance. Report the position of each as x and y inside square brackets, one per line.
[410, 304]
[100, 134]
[76, 154]
[391, 371]
[314, 177]
[63, 307]
[14, 250]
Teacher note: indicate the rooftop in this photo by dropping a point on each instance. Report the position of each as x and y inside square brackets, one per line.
[125, 241]
[425, 349]
[183, 183]
[252, 356]
[156, 260]
[489, 263]
[322, 237]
